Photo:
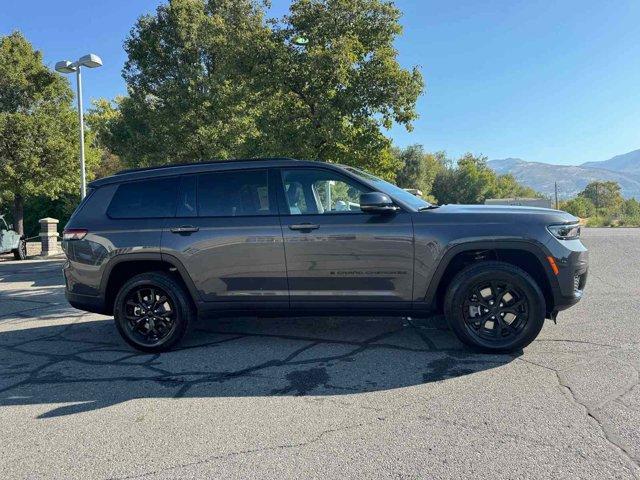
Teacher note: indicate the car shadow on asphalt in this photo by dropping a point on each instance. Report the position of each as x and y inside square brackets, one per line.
[83, 365]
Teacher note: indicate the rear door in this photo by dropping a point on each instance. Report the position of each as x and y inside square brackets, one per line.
[227, 235]
[336, 254]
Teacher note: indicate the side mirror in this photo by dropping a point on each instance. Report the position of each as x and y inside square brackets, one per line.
[376, 202]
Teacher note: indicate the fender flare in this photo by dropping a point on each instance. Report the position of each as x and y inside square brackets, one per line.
[531, 246]
[149, 256]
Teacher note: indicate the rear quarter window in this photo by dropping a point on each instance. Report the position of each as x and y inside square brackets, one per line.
[155, 198]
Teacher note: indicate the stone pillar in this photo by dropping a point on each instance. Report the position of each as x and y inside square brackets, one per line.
[49, 236]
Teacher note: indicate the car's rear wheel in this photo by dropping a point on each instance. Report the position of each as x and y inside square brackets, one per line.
[495, 307]
[20, 253]
[153, 312]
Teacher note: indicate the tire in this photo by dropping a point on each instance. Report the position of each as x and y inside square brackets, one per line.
[20, 253]
[144, 320]
[495, 307]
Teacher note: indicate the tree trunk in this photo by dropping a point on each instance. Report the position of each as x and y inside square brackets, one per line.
[18, 214]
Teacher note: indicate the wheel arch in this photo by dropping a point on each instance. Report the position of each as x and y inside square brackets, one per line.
[527, 255]
[123, 267]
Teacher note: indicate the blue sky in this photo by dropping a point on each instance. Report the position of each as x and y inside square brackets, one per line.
[550, 81]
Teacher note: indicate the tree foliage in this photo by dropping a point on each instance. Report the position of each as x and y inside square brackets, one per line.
[339, 91]
[193, 91]
[470, 180]
[602, 205]
[418, 168]
[212, 79]
[100, 120]
[605, 195]
[38, 128]
[631, 208]
[579, 206]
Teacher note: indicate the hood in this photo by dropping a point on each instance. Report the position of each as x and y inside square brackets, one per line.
[505, 213]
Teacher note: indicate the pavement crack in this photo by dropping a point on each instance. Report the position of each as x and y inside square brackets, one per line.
[316, 438]
[585, 342]
[611, 437]
[614, 440]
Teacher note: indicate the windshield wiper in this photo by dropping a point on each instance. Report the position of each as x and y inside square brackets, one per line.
[428, 207]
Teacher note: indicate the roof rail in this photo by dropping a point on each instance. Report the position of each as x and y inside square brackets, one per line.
[208, 162]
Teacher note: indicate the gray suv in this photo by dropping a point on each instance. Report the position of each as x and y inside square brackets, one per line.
[159, 247]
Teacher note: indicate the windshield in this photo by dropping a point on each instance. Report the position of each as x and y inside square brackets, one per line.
[390, 189]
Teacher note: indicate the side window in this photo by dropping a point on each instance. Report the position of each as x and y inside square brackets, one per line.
[187, 197]
[155, 198]
[319, 191]
[234, 194]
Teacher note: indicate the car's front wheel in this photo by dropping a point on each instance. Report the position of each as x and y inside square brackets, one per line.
[495, 307]
[153, 312]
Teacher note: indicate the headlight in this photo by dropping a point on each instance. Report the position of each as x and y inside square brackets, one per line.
[565, 232]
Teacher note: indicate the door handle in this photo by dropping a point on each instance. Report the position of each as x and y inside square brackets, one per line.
[185, 229]
[304, 226]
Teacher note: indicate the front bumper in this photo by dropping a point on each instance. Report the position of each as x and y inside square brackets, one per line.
[572, 260]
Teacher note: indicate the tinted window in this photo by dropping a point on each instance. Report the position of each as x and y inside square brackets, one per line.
[145, 199]
[187, 197]
[313, 191]
[233, 194]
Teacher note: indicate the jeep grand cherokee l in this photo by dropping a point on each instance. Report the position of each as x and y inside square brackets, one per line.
[158, 247]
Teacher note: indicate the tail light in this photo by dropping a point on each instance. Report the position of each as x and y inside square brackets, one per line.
[74, 234]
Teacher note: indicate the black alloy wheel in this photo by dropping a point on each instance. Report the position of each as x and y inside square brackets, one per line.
[496, 311]
[150, 315]
[495, 307]
[153, 311]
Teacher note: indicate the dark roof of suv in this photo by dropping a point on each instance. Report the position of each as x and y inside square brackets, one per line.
[185, 168]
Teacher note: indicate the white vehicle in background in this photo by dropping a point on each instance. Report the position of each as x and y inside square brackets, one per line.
[11, 241]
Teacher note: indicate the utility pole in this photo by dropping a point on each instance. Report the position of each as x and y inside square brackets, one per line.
[556, 189]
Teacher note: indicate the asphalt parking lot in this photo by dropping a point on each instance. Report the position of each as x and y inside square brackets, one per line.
[322, 397]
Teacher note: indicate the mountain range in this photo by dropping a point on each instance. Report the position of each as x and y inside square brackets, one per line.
[623, 169]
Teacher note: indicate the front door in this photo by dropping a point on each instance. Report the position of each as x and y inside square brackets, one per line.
[227, 235]
[336, 254]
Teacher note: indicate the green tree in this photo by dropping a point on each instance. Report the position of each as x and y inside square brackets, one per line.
[191, 79]
[506, 186]
[631, 208]
[470, 180]
[212, 79]
[579, 206]
[604, 195]
[467, 182]
[101, 119]
[38, 128]
[418, 168]
[333, 97]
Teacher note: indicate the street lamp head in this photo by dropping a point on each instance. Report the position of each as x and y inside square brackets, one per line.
[91, 60]
[300, 41]
[65, 66]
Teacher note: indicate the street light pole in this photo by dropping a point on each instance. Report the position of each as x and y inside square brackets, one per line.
[91, 61]
[83, 173]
